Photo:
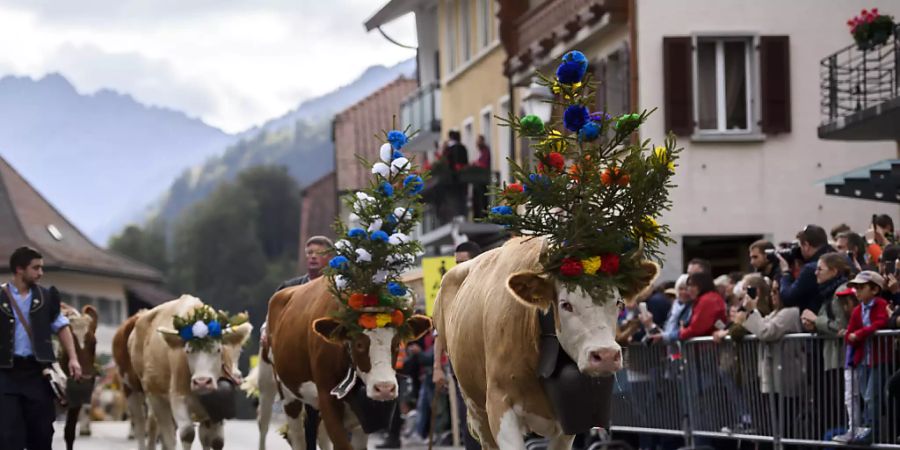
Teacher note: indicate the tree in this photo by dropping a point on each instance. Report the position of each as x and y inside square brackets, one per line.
[147, 245]
[277, 217]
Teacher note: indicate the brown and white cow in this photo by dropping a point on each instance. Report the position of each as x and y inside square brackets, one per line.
[312, 353]
[486, 313]
[170, 372]
[84, 329]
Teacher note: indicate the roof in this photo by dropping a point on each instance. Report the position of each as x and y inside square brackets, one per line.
[27, 218]
[150, 293]
[390, 12]
[879, 181]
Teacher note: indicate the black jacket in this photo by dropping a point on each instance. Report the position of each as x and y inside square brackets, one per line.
[44, 310]
[303, 279]
[804, 291]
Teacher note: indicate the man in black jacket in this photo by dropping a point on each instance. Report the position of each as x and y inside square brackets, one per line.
[803, 292]
[765, 265]
[32, 315]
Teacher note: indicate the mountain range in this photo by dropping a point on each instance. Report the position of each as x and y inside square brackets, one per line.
[105, 160]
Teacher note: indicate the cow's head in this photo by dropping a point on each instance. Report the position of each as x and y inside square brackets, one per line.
[373, 352]
[84, 329]
[214, 359]
[586, 328]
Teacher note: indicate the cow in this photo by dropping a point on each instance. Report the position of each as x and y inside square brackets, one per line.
[84, 329]
[486, 316]
[312, 353]
[159, 366]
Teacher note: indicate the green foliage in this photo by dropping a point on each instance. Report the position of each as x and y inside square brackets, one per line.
[146, 245]
[210, 318]
[595, 195]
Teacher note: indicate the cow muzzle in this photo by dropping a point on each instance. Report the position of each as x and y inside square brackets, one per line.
[382, 391]
[603, 361]
[202, 384]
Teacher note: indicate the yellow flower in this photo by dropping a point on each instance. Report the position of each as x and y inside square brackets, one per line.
[556, 141]
[647, 228]
[663, 156]
[591, 265]
[382, 320]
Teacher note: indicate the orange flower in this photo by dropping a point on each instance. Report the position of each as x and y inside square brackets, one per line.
[356, 301]
[574, 172]
[397, 317]
[368, 321]
[614, 175]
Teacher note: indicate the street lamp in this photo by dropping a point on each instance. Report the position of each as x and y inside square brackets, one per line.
[536, 101]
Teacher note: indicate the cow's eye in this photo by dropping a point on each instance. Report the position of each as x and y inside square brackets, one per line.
[566, 306]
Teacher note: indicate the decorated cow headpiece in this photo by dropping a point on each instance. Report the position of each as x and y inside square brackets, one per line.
[596, 192]
[376, 247]
[204, 325]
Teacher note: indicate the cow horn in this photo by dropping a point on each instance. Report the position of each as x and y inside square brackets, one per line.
[638, 252]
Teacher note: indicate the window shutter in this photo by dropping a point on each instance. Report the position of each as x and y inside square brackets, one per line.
[678, 85]
[600, 77]
[625, 78]
[775, 84]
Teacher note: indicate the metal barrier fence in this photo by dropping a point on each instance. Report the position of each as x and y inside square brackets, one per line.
[786, 392]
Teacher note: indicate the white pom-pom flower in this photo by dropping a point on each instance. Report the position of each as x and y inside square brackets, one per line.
[362, 255]
[340, 282]
[398, 238]
[199, 329]
[375, 225]
[398, 165]
[402, 213]
[382, 169]
[379, 276]
[386, 152]
[343, 244]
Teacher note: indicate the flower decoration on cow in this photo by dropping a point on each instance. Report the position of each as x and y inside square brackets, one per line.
[376, 247]
[596, 192]
[202, 326]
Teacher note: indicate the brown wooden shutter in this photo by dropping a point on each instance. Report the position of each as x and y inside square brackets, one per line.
[600, 78]
[678, 85]
[775, 83]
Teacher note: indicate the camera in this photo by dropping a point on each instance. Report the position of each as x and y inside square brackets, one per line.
[790, 254]
[751, 292]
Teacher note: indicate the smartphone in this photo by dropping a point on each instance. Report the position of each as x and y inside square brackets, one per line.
[751, 292]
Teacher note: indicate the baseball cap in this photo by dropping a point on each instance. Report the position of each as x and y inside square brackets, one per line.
[867, 276]
[846, 292]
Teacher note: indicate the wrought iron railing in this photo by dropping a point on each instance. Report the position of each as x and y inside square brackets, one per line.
[853, 80]
[422, 109]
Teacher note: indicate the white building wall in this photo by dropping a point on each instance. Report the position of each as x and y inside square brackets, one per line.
[769, 187]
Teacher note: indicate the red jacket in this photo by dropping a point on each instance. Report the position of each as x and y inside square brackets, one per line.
[708, 309]
[879, 319]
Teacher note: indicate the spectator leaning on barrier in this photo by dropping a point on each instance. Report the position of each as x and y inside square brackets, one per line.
[803, 291]
[832, 271]
[888, 268]
[708, 312]
[864, 356]
[679, 312]
[753, 287]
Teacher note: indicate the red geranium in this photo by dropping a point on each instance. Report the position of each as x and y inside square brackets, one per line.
[610, 263]
[515, 187]
[571, 267]
[356, 301]
[556, 160]
[397, 317]
[370, 300]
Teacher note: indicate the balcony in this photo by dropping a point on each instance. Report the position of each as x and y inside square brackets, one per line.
[422, 111]
[860, 98]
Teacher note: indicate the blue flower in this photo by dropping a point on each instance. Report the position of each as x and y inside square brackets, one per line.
[575, 117]
[600, 117]
[397, 139]
[570, 72]
[356, 232]
[380, 236]
[215, 329]
[414, 183]
[339, 262]
[502, 210]
[589, 132]
[396, 289]
[398, 154]
[387, 189]
[575, 56]
[186, 333]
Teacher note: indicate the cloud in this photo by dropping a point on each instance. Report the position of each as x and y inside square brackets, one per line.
[233, 63]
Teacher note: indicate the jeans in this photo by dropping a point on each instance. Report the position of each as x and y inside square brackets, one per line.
[423, 406]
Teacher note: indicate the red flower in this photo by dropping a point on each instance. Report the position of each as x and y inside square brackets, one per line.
[515, 187]
[357, 301]
[614, 175]
[556, 160]
[370, 300]
[541, 168]
[610, 263]
[571, 267]
[367, 321]
[397, 317]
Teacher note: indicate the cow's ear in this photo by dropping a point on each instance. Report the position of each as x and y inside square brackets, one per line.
[330, 329]
[89, 310]
[171, 336]
[419, 325]
[532, 290]
[647, 273]
[237, 335]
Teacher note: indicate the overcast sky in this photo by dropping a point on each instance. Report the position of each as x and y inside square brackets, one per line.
[233, 63]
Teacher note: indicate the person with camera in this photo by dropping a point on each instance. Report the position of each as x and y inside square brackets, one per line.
[879, 235]
[763, 259]
[27, 405]
[802, 291]
[854, 246]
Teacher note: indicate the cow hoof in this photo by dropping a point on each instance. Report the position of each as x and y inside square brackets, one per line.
[218, 443]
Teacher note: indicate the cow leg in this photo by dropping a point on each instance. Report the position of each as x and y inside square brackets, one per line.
[183, 420]
[331, 411]
[136, 407]
[71, 421]
[477, 419]
[84, 425]
[165, 423]
[212, 435]
[152, 431]
[296, 418]
[358, 439]
[506, 425]
[322, 437]
[267, 391]
[561, 442]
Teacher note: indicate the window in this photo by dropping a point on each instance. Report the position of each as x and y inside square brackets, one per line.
[106, 310]
[84, 300]
[465, 26]
[484, 23]
[468, 139]
[450, 35]
[504, 136]
[723, 89]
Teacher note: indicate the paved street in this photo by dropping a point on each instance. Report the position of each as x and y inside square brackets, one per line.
[239, 434]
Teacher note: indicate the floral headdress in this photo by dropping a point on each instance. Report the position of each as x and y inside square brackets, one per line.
[595, 193]
[377, 247]
[204, 325]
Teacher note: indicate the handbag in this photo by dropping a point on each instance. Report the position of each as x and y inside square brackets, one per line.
[53, 373]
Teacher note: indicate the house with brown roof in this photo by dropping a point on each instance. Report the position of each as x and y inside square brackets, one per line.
[84, 273]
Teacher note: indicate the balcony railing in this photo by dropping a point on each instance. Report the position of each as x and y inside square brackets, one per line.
[853, 80]
[450, 195]
[422, 109]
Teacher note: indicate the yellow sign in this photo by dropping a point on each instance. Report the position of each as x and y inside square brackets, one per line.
[433, 269]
